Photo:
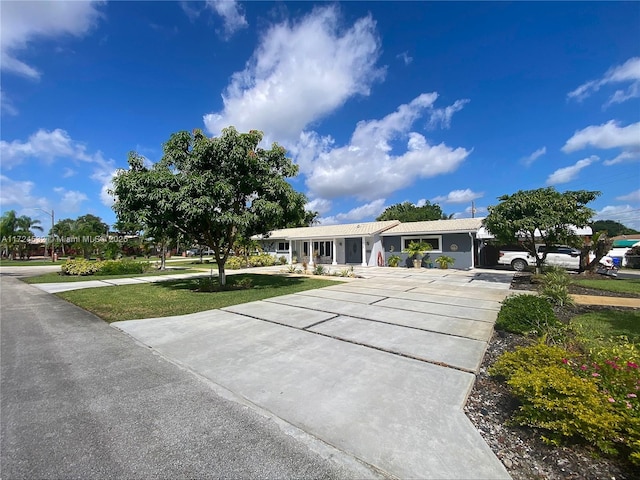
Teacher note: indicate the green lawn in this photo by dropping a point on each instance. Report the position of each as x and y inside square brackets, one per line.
[605, 327]
[620, 285]
[27, 263]
[164, 299]
[55, 277]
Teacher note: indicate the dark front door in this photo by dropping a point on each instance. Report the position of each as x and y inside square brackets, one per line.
[353, 247]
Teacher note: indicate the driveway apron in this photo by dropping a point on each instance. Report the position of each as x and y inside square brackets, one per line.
[379, 367]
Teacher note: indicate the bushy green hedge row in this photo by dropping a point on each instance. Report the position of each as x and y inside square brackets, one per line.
[85, 267]
[261, 260]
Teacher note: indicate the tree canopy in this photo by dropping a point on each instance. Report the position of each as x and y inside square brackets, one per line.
[211, 190]
[539, 216]
[612, 228]
[408, 212]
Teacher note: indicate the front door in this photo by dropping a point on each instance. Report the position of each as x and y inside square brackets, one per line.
[353, 250]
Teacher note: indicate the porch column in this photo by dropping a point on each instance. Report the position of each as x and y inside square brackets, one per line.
[310, 252]
[290, 252]
[364, 252]
[333, 253]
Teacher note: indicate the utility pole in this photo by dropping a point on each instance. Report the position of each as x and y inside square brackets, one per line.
[53, 237]
[473, 209]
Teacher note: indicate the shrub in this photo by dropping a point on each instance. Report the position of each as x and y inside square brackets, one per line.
[555, 286]
[80, 267]
[261, 260]
[527, 314]
[319, 270]
[393, 261]
[531, 357]
[592, 398]
[567, 406]
[122, 267]
[292, 269]
[235, 263]
[282, 260]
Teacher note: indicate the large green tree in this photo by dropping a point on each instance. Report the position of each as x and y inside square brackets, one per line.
[612, 228]
[408, 212]
[541, 216]
[212, 190]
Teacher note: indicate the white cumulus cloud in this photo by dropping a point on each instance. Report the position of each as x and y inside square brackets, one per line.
[231, 14]
[70, 200]
[368, 210]
[367, 168]
[607, 135]
[527, 161]
[24, 22]
[320, 205]
[299, 73]
[458, 196]
[633, 197]
[57, 144]
[628, 72]
[625, 156]
[566, 174]
[442, 116]
[17, 192]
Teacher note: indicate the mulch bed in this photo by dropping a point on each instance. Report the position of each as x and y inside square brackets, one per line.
[490, 406]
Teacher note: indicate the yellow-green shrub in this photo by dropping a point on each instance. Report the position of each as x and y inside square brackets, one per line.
[235, 263]
[529, 358]
[262, 260]
[569, 407]
[81, 266]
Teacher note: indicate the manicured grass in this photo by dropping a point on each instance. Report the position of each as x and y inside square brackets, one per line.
[604, 327]
[28, 263]
[619, 285]
[169, 298]
[55, 277]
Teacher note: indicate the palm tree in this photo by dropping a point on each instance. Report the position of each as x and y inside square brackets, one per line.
[24, 226]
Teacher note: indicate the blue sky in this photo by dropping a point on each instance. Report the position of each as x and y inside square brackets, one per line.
[377, 102]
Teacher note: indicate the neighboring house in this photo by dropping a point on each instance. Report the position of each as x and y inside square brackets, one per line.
[372, 243]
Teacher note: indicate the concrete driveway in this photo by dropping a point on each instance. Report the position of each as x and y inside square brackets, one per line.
[379, 367]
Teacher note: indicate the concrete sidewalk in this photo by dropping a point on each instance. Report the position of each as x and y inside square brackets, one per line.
[379, 367]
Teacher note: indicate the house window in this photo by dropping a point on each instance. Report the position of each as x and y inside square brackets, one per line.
[323, 249]
[283, 246]
[434, 240]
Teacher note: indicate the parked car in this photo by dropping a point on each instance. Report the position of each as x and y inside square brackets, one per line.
[558, 255]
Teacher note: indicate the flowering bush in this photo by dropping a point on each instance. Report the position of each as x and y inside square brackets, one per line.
[591, 397]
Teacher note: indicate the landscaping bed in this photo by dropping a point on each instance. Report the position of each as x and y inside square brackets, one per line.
[491, 406]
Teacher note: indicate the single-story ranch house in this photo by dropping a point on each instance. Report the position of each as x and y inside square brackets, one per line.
[372, 243]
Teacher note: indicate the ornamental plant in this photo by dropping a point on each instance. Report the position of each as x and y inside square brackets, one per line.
[527, 314]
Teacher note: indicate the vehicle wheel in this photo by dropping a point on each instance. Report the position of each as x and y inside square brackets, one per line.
[519, 265]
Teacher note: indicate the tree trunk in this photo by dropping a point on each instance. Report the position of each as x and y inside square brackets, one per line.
[222, 278]
[163, 257]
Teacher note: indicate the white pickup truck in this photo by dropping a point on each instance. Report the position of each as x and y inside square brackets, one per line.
[560, 256]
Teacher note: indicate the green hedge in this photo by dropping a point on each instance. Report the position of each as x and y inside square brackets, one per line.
[527, 314]
[83, 267]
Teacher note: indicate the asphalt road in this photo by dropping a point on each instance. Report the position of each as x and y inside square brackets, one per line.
[81, 400]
